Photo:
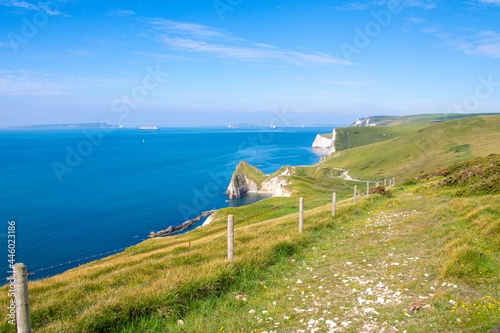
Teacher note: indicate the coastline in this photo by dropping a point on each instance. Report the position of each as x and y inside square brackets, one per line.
[172, 230]
[124, 202]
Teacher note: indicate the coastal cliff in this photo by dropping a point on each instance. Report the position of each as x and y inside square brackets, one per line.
[363, 122]
[326, 141]
[248, 179]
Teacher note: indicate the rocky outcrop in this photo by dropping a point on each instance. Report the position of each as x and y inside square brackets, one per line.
[324, 142]
[248, 179]
[186, 225]
[276, 186]
[363, 122]
[209, 219]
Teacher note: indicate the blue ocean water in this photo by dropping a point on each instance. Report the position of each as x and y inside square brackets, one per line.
[74, 194]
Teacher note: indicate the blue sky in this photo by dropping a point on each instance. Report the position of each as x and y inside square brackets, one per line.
[173, 63]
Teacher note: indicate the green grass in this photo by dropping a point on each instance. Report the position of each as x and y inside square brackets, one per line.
[327, 135]
[420, 247]
[422, 151]
[250, 171]
[427, 245]
[474, 177]
[422, 119]
[352, 137]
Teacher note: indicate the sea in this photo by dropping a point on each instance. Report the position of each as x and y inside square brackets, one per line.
[76, 193]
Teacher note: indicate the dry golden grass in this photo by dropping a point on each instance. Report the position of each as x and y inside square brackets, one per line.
[160, 275]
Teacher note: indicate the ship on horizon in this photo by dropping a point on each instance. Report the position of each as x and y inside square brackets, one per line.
[148, 128]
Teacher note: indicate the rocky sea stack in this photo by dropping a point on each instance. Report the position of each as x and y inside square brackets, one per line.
[248, 179]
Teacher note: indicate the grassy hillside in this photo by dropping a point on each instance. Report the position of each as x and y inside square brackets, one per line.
[352, 137]
[421, 119]
[422, 151]
[422, 261]
[250, 171]
[389, 127]
[424, 257]
[327, 135]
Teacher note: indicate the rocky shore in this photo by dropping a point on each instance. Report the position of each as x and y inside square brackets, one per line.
[186, 225]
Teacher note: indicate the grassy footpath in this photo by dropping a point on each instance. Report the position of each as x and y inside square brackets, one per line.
[426, 258]
[422, 261]
[422, 257]
[164, 276]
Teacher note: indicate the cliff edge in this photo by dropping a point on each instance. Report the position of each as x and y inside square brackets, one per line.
[326, 141]
[248, 179]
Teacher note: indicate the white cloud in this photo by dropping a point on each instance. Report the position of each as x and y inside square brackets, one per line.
[190, 29]
[424, 4]
[160, 55]
[346, 83]
[121, 13]
[352, 6]
[430, 30]
[250, 53]
[490, 2]
[197, 38]
[29, 83]
[333, 93]
[416, 19]
[486, 44]
[483, 43]
[22, 82]
[42, 7]
[79, 53]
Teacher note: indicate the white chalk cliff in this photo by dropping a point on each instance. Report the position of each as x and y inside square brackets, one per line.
[363, 122]
[248, 179]
[325, 143]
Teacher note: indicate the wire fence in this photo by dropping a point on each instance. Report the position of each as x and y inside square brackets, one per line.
[156, 279]
[243, 230]
[124, 248]
[119, 250]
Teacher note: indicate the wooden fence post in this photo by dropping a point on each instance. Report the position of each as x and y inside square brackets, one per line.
[334, 203]
[385, 182]
[230, 238]
[301, 214]
[367, 189]
[378, 184]
[355, 193]
[22, 298]
[393, 181]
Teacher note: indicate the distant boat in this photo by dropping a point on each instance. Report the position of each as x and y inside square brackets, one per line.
[274, 126]
[142, 140]
[148, 128]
